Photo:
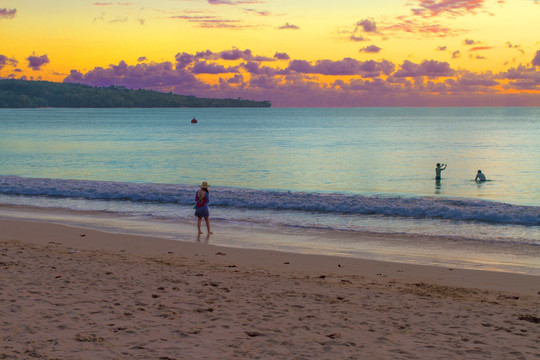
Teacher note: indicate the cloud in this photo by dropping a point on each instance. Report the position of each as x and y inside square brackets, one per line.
[102, 4]
[220, 2]
[160, 76]
[203, 67]
[345, 82]
[36, 62]
[254, 68]
[371, 49]
[456, 54]
[480, 48]
[442, 48]
[536, 59]
[281, 56]
[470, 81]
[429, 68]
[209, 22]
[5, 61]
[347, 66]
[142, 58]
[259, 12]
[470, 42]
[288, 26]
[414, 27]
[367, 25]
[7, 14]
[517, 47]
[521, 78]
[357, 38]
[236, 54]
[431, 8]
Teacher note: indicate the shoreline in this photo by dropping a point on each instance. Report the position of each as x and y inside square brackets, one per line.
[70, 290]
[415, 249]
[85, 239]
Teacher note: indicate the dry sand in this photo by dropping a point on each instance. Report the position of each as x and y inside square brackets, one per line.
[72, 293]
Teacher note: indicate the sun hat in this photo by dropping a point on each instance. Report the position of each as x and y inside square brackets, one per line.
[204, 185]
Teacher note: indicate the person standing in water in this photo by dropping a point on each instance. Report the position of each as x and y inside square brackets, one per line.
[438, 170]
[480, 176]
[202, 198]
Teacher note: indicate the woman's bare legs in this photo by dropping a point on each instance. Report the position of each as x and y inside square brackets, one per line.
[199, 224]
[207, 225]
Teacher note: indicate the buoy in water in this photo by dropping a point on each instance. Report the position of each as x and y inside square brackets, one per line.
[193, 121]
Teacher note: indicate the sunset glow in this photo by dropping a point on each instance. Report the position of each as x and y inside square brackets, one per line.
[293, 53]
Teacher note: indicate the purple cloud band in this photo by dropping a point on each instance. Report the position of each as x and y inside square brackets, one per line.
[346, 82]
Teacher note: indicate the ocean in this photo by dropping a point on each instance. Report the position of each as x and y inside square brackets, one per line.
[356, 182]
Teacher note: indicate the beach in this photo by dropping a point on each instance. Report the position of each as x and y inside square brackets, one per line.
[71, 292]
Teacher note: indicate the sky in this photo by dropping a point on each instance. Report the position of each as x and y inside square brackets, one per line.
[295, 53]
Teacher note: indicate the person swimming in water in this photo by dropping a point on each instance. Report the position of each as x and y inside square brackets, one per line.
[480, 176]
[438, 169]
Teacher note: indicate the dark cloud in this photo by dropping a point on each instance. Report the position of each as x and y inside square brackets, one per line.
[470, 82]
[520, 72]
[347, 66]
[536, 59]
[470, 42]
[203, 67]
[255, 68]
[430, 68]
[367, 25]
[160, 77]
[142, 58]
[4, 61]
[236, 79]
[357, 38]
[7, 14]
[517, 47]
[264, 82]
[371, 49]
[431, 8]
[36, 62]
[375, 85]
[522, 78]
[281, 56]
[236, 54]
[456, 54]
[288, 26]
[357, 83]
[442, 48]
[183, 60]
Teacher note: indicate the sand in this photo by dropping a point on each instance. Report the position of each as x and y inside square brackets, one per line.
[74, 293]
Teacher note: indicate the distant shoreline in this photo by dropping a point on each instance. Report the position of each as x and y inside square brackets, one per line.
[17, 94]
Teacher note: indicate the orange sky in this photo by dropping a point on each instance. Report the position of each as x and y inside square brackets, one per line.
[294, 53]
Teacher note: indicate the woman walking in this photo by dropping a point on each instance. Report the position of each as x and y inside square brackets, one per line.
[202, 199]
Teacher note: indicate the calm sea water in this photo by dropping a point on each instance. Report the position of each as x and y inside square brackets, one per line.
[352, 171]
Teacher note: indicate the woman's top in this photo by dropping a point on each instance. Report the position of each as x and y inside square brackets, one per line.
[202, 205]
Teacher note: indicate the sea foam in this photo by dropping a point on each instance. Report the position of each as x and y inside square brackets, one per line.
[453, 209]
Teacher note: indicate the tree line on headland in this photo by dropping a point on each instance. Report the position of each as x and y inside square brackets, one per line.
[36, 94]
